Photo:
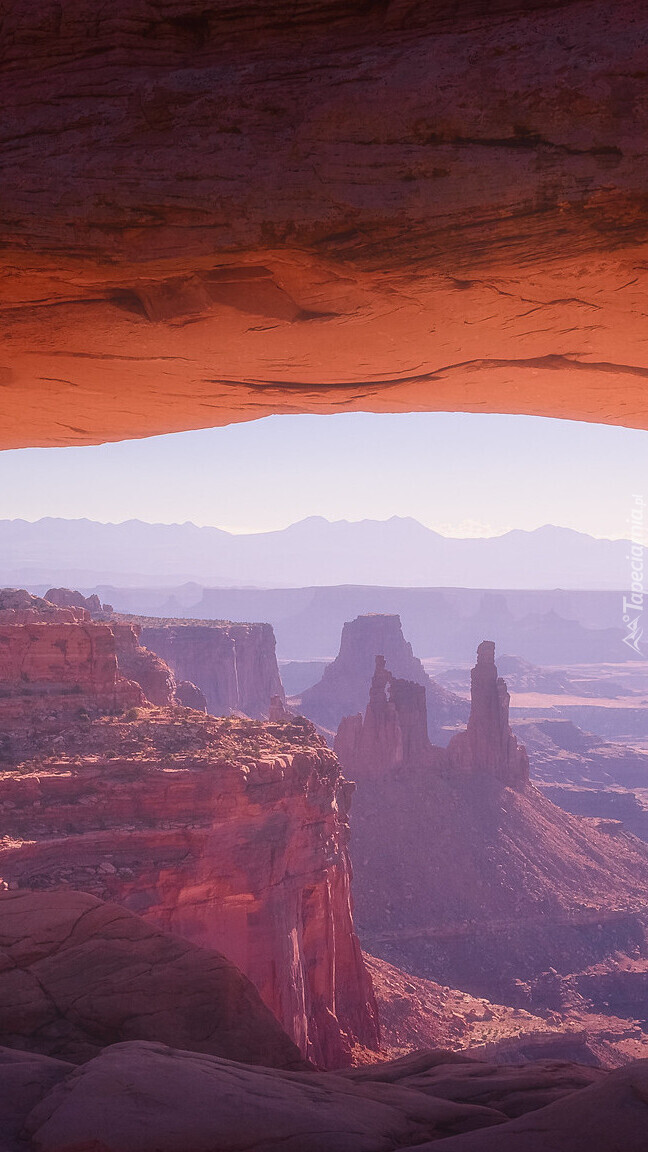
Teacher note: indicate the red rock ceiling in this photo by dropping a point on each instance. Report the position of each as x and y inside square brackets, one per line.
[214, 212]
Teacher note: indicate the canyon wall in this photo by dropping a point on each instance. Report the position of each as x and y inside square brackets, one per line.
[230, 833]
[464, 872]
[145, 667]
[234, 665]
[55, 660]
[136, 662]
[345, 683]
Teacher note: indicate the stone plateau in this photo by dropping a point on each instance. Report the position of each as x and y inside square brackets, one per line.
[233, 665]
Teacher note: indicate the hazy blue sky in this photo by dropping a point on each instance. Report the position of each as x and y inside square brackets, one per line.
[458, 473]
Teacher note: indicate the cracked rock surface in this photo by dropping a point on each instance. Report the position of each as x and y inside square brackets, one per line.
[211, 215]
[77, 974]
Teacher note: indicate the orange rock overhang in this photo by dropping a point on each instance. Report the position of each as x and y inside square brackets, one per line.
[213, 212]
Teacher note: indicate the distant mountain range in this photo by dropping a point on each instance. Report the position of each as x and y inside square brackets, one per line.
[399, 551]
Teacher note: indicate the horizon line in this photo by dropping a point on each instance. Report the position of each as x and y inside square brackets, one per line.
[306, 519]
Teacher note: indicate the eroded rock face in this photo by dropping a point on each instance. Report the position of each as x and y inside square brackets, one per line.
[497, 885]
[346, 683]
[232, 834]
[189, 696]
[145, 667]
[488, 746]
[321, 189]
[233, 665]
[393, 731]
[55, 660]
[78, 974]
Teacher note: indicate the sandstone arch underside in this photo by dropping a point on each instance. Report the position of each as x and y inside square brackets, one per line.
[215, 211]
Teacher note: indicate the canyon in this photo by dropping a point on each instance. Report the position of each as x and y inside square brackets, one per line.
[143, 843]
[553, 626]
[99, 1002]
[500, 892]
[228, 831]
[219, 214]
[586, 774]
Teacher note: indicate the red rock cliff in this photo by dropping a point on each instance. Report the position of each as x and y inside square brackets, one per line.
[145, 667]
[70, 598]
[77, 974]
[234, 665]
[136, 663]
[231, 833]
[393, 731]
[56, 659]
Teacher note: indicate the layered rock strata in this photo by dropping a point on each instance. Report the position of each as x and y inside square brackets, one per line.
[267, 208]
[233, 665]
[345, 683]
[55, 660]
[231, 833]
[138, 663]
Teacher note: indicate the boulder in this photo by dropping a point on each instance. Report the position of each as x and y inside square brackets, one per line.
[77, 974]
